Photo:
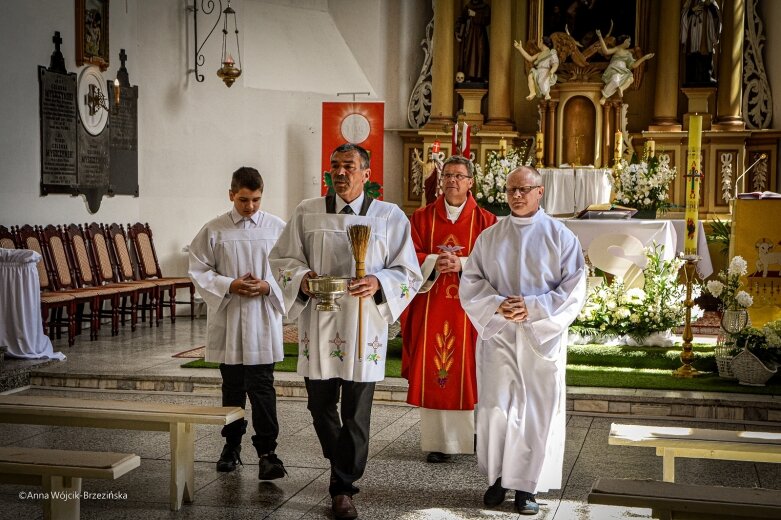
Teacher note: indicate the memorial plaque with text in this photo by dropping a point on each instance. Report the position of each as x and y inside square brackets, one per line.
[123, 178]
[93, 159]
[57, 99]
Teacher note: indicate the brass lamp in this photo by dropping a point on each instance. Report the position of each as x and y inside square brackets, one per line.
[230, 70]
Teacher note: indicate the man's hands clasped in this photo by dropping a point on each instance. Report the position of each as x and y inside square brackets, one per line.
[248, 286]
[513, 308]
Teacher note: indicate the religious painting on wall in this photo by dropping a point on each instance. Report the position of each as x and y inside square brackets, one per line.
[582, 18]
[92, 41]
[359, 123]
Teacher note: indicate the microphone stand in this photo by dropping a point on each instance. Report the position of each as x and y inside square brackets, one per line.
[740, 177]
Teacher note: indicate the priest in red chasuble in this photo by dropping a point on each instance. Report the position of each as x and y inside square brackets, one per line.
[439, 340]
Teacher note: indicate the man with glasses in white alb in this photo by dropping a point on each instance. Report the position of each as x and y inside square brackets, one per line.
[523, 285]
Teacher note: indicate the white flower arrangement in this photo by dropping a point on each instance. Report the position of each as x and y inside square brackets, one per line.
[644, 185]
[613, 310]
[728, 287]
[490, 184]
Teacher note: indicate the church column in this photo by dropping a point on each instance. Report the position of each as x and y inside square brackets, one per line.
[442, 68]
[667, 58]
[728, 106]
[499, 72]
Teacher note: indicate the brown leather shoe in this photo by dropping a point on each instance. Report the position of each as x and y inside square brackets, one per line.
[343, 508]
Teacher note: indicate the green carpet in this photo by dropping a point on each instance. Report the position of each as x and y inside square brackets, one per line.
[598, 366]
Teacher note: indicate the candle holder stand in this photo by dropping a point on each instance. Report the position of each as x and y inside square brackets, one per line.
[687, 356]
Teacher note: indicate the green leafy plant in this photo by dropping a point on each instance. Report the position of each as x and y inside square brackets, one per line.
[720, 233]
[370, 188]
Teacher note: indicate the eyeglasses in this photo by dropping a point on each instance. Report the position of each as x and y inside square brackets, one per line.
[524, 190]
[457, 176]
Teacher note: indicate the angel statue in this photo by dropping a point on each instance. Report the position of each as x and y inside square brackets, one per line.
[619, 73]
[542, 75]
[425, 176]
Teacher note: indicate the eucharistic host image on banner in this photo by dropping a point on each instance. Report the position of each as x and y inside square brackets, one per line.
[360, 123]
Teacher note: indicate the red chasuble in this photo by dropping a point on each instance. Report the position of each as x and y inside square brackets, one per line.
[439, 341]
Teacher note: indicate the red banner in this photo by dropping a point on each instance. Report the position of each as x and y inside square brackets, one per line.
[359, 123]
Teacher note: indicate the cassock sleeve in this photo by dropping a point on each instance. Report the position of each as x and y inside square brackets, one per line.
[211, 285]
[478, 297]
[551, 313]
[289, 264]
[400, 278]
[275, 297]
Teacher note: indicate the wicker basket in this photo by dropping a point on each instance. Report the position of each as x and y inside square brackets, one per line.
[723, 355]
[749, 370]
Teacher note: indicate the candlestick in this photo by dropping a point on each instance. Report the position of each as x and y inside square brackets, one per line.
[539, 149]
[693, 175]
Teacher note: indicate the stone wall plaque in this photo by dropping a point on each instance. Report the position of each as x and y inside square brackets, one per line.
[57, 99]
[123, 176]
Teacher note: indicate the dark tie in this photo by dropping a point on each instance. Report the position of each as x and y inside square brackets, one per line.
[347, 210]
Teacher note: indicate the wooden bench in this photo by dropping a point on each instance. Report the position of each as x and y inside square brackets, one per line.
[178, 420]
[670, 501]
[60, 473]
[698, 443]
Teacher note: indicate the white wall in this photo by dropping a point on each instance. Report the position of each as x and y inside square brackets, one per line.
[193, 135]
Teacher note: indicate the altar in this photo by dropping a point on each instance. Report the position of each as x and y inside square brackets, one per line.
[571, 190]
[667, 233]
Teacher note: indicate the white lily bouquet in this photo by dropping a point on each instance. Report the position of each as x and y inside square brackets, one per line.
[490, 183]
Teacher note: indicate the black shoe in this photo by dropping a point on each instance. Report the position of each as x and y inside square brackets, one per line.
[495, 494]
[343, 507]
[229, 458]
[270, 467]
[525, 503]
[436, 457]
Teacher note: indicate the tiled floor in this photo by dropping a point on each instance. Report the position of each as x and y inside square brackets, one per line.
[398, 482]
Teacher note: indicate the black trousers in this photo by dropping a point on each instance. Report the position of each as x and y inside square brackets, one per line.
[257, 382]
[345, 439]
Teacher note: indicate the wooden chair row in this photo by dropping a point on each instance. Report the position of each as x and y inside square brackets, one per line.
[90, 266]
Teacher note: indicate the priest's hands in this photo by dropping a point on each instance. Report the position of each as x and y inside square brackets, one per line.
[448, 263]
[364, 287]
[305, 283]
[513, 308]
[249, 287]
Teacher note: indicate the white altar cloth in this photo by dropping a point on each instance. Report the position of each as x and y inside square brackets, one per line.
[569, 190]
[21, 329]
[668, 233]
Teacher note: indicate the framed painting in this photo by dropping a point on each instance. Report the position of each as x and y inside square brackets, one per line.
[582, 18]
[92, 42]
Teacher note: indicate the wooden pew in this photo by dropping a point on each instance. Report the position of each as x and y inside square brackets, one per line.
[59, 472]
[178, 420]
[670, 501]
[698, 443]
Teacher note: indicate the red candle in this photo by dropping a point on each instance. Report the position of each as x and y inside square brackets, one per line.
[435, 146]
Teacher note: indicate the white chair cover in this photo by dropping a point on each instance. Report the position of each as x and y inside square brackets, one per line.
[21, 329]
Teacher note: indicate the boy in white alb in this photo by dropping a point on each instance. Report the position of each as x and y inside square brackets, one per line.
[229, 267]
